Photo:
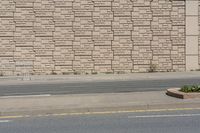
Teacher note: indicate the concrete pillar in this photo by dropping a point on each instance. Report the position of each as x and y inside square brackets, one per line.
[192, 33]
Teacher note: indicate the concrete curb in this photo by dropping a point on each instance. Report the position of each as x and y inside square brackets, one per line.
[174, 92]
[100, 77]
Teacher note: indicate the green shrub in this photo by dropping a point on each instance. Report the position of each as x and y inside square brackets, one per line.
[1, 73]
[190, 88]
[152, 68]
[94, 73]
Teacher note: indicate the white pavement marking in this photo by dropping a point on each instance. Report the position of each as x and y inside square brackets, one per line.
[163, 116]
[24, 96]
[5, 121]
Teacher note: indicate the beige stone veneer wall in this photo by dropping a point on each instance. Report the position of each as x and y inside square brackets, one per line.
[72, 36]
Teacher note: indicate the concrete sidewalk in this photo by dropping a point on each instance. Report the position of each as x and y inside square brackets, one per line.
[42, 105]
[39, 79]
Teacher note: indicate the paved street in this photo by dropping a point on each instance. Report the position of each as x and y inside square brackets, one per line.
[151, 122]
[148, 94]
[95, 87]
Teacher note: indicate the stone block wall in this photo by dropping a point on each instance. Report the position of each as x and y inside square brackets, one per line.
[89, 36]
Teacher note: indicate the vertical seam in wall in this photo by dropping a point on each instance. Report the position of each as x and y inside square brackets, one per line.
[73, 37]
[14, 39]
[131, 37]
[185, 37]
[171, 36]
[113, 37]
[54, 62]
[151, 61]
[93, 39]
[199, 34]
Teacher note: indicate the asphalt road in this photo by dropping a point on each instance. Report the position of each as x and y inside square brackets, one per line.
[157, 122]
[94, 87]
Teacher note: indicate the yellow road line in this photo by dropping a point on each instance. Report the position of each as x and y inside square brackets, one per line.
[99, 113]
[125, 111]
[12, 117]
